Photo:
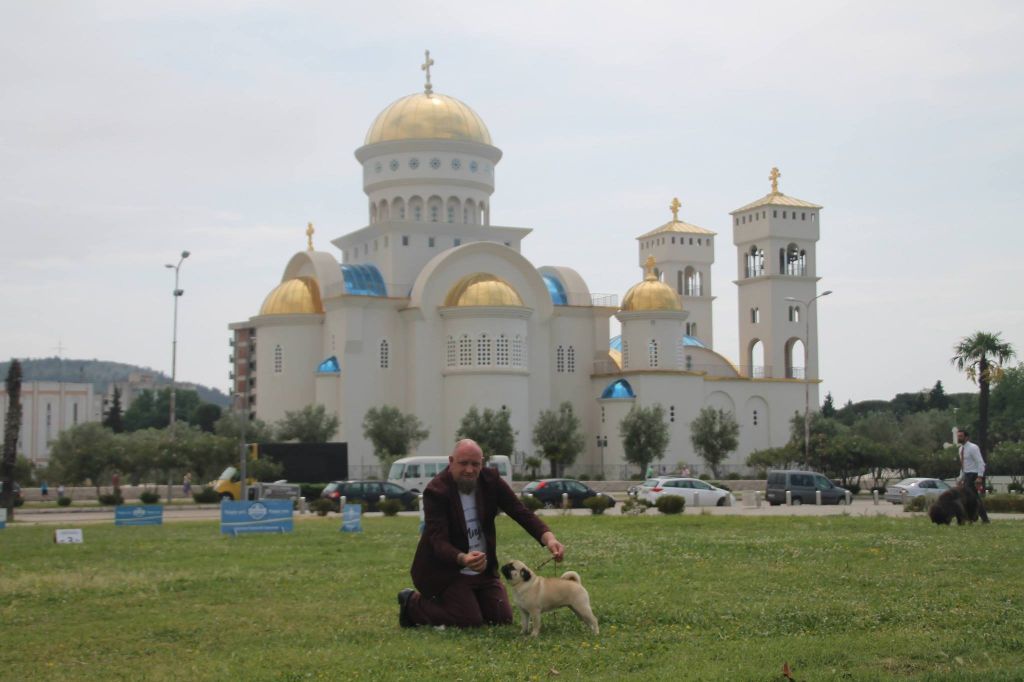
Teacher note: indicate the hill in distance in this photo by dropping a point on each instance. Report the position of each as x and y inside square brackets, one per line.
[100, 373]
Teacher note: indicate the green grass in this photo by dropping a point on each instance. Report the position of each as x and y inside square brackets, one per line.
[681, 597]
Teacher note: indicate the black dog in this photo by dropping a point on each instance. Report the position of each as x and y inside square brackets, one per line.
[955, 503]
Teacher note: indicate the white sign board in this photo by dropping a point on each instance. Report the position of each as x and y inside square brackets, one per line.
[68, 536]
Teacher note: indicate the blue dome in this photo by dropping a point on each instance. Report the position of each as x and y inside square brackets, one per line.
[615, 343]
[691, 341]
[555, 289]
[363, 280]
[618, 389]
[329, 366]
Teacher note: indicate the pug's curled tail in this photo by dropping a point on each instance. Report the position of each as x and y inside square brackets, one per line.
[573, 576]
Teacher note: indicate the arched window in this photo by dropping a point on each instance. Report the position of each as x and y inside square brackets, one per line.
[483, 350]
[560, 359]
[398, 208]
[501, 351]
[689, 362]
[755, 360]
[416, 208]
[373, 212]
[679, 281]
[794, 313]
[452, 210]
[465, 351]
[278, 359]
[692, 284]
[755, 262]
[570, 363]
[755, 315]
[795, 359]
[451, 358]
[691, 329]
[382, 212]
[652, 353]
[434, 206]
[385, 360]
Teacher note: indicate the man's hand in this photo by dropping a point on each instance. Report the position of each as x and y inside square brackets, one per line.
[476, 561]
[554, 546]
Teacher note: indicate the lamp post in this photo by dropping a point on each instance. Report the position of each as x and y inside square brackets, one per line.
[174, 354]
[807, 380]
[602, 443]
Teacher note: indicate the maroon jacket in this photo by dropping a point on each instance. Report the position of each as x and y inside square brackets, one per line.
[434, 566]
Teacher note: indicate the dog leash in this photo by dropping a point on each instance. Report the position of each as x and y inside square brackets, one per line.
[546, 561]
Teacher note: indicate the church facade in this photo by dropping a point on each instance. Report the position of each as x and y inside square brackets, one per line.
[433, 309]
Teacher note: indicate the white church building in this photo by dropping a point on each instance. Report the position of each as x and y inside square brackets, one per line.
[433, 309]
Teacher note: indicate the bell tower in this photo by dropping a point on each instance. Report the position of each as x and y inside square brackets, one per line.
[776, 237]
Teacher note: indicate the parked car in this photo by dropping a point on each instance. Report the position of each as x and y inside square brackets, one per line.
[707, 494]
[549, 492]
[367, 493]
[915, 487]
[802, 486]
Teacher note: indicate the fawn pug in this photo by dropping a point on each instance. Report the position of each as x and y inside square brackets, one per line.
[536, 594]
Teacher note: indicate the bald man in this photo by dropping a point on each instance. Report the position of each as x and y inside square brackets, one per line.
[455, 569]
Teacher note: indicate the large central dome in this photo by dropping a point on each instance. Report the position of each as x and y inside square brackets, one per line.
[423, 116]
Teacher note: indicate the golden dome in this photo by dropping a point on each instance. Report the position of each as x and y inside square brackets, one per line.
[650, 294]
[293, 297]
[423, 116]
[482, 289]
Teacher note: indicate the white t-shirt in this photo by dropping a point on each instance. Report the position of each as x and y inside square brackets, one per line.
[473, 532]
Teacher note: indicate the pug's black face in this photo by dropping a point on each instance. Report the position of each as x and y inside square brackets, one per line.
[516, 572]
[507, 571]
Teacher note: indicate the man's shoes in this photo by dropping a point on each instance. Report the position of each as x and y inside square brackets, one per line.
[403, 608]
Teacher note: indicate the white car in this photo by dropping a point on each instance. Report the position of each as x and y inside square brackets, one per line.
[915, 487]
[707, 494]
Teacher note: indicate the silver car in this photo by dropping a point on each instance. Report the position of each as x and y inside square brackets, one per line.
[707, 494]
[910, 488]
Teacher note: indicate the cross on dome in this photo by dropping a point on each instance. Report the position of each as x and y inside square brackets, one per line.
[674, 207]
[774, 177]
[649, 269]
[425, 66]
[309, 235]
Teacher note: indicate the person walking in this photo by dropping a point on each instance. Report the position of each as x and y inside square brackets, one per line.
[44, 490]
[971, 467]
[186, 483]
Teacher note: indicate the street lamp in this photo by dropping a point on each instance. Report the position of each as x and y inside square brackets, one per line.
[602, 443]
[807, 380]
[174, 351]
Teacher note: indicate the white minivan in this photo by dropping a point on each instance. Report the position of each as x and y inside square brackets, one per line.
[413, 473]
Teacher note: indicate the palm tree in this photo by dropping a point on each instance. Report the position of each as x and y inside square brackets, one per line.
[981, 358]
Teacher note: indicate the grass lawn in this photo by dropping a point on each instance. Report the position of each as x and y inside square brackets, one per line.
[678, 597]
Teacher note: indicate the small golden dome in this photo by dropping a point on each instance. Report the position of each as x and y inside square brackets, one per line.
[293, 297]
[650, 294]
[423, 116]
[482, 289]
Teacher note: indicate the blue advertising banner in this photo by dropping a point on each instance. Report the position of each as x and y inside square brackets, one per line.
[139, 515]
[263, 516]
[3, 518]
[352, 519]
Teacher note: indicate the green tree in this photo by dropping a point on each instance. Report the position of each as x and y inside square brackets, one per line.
[204, 454]
[557, 437]
[1007, 406]
[981, 358]
[491, 429]
[237, 426]
[392, 432]
[828, 408]
[644, 434]
[1008, 460]
[152, 410]
[533, 464]
[83, 453]
[205, 416]
[937, 398]
[114, 418]
[714, 434]
[784, 457]
[12, 427]
[311, 424]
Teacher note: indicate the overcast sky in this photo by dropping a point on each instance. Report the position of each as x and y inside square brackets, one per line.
[131, 131]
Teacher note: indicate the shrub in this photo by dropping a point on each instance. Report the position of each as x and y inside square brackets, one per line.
[63, 501]
[719, 484]
[1004, 502]
[705, 477]
[390, 507]
[597, 504]
[322, 505]
[111, 499]
[634, 506]
[671, 504]
[206, 496]
[918, 504]
[733, 476]
[1015, 488]
[311, 491]
[531, 502]
[854, 488]
[879, 488]
[149, 496]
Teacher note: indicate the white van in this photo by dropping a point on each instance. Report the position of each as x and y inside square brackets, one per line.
[413, 473]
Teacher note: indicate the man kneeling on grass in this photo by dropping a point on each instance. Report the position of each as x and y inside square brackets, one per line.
[455, 567]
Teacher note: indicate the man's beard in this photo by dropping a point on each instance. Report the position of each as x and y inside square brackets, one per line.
[466, 486]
